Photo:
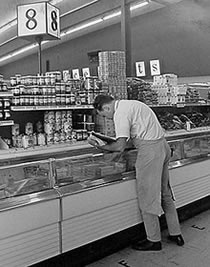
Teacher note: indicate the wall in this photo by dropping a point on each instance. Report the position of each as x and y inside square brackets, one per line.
[177, 35]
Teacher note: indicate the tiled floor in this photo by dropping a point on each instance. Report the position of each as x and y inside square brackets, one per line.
[195, 252]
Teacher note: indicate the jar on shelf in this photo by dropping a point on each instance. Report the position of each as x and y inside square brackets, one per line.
[13, 81]
[18, 78]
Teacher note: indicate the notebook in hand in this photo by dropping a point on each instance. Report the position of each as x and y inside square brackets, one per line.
[103, 137]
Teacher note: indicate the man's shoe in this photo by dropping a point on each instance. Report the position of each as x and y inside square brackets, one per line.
[178, 239]
[147, 245]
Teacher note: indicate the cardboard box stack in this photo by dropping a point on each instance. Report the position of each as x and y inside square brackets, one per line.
[169, 92]
[112, 73]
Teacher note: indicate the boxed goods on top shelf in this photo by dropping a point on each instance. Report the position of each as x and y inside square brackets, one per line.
[140, 90]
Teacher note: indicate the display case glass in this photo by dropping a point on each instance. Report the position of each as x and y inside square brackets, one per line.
[25, 178]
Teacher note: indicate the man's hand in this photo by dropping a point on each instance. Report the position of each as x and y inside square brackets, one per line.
[93, 142]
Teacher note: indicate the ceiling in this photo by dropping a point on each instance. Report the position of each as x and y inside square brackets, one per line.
[72, 12]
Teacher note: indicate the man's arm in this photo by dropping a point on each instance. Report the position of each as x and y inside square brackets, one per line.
[118, 146]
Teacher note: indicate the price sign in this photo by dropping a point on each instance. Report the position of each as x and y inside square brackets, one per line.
[75, 74]
[38, 19]
[155, 67]
[140, 69]
[85, 72]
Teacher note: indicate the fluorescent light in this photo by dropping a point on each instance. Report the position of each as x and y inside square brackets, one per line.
[5, 27]
[141, 4]
[24, 49]
[81, 27]
[54, 2]
[80, 7]
[70, 30]
[18, 52]
[118, 12]
[110, 16]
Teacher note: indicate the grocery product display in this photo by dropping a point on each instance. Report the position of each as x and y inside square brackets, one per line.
[112, 73]
[83, 186]
[5, 100]
[51, 90]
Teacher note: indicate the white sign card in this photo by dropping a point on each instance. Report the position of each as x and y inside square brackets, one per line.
[155, 67]
[85, 72]
[66, 75]
[75, 74]
[140, 69]
[38, 19]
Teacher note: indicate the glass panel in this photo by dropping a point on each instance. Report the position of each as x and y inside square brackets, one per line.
[24, 178]
[88, 167]
[176, 150]
[192, 147]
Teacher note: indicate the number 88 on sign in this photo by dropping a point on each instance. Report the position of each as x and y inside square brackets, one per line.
[38, 19]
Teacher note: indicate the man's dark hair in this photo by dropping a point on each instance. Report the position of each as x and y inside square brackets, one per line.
[100, 100]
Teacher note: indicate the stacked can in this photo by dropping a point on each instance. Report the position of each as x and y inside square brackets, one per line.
[58, 126]
[112, 72]
[16, 137]
[49, 126]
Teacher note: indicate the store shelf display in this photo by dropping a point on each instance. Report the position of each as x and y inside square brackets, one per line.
[5, 103]
[140, 90]
[50, 91]
[112, 73]
[57, 128]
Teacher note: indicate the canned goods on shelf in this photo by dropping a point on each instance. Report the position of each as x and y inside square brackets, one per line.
[31, 101]
[63, 88]
[40, 80]
[34, 80]
[57, 88]
[50, 139]
[16, 101]
[18, 78]
[47, 80]
[29, 128]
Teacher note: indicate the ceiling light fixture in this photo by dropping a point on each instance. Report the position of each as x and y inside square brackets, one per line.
[10, 24]
[79, 7]
[139, 5]
[118, 12]
[18, 52]
[82, 26]
[73, 29]
[13, 22]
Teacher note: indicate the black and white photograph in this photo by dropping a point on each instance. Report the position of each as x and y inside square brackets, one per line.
[105, 133]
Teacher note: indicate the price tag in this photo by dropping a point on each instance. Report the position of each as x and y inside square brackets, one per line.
[180, 105]
[38, 19]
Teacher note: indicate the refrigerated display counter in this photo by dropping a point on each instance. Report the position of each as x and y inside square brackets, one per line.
[67, 201]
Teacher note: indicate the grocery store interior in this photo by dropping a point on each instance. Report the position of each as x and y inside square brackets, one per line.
[62, 201]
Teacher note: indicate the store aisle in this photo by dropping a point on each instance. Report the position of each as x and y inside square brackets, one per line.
[195, 252]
